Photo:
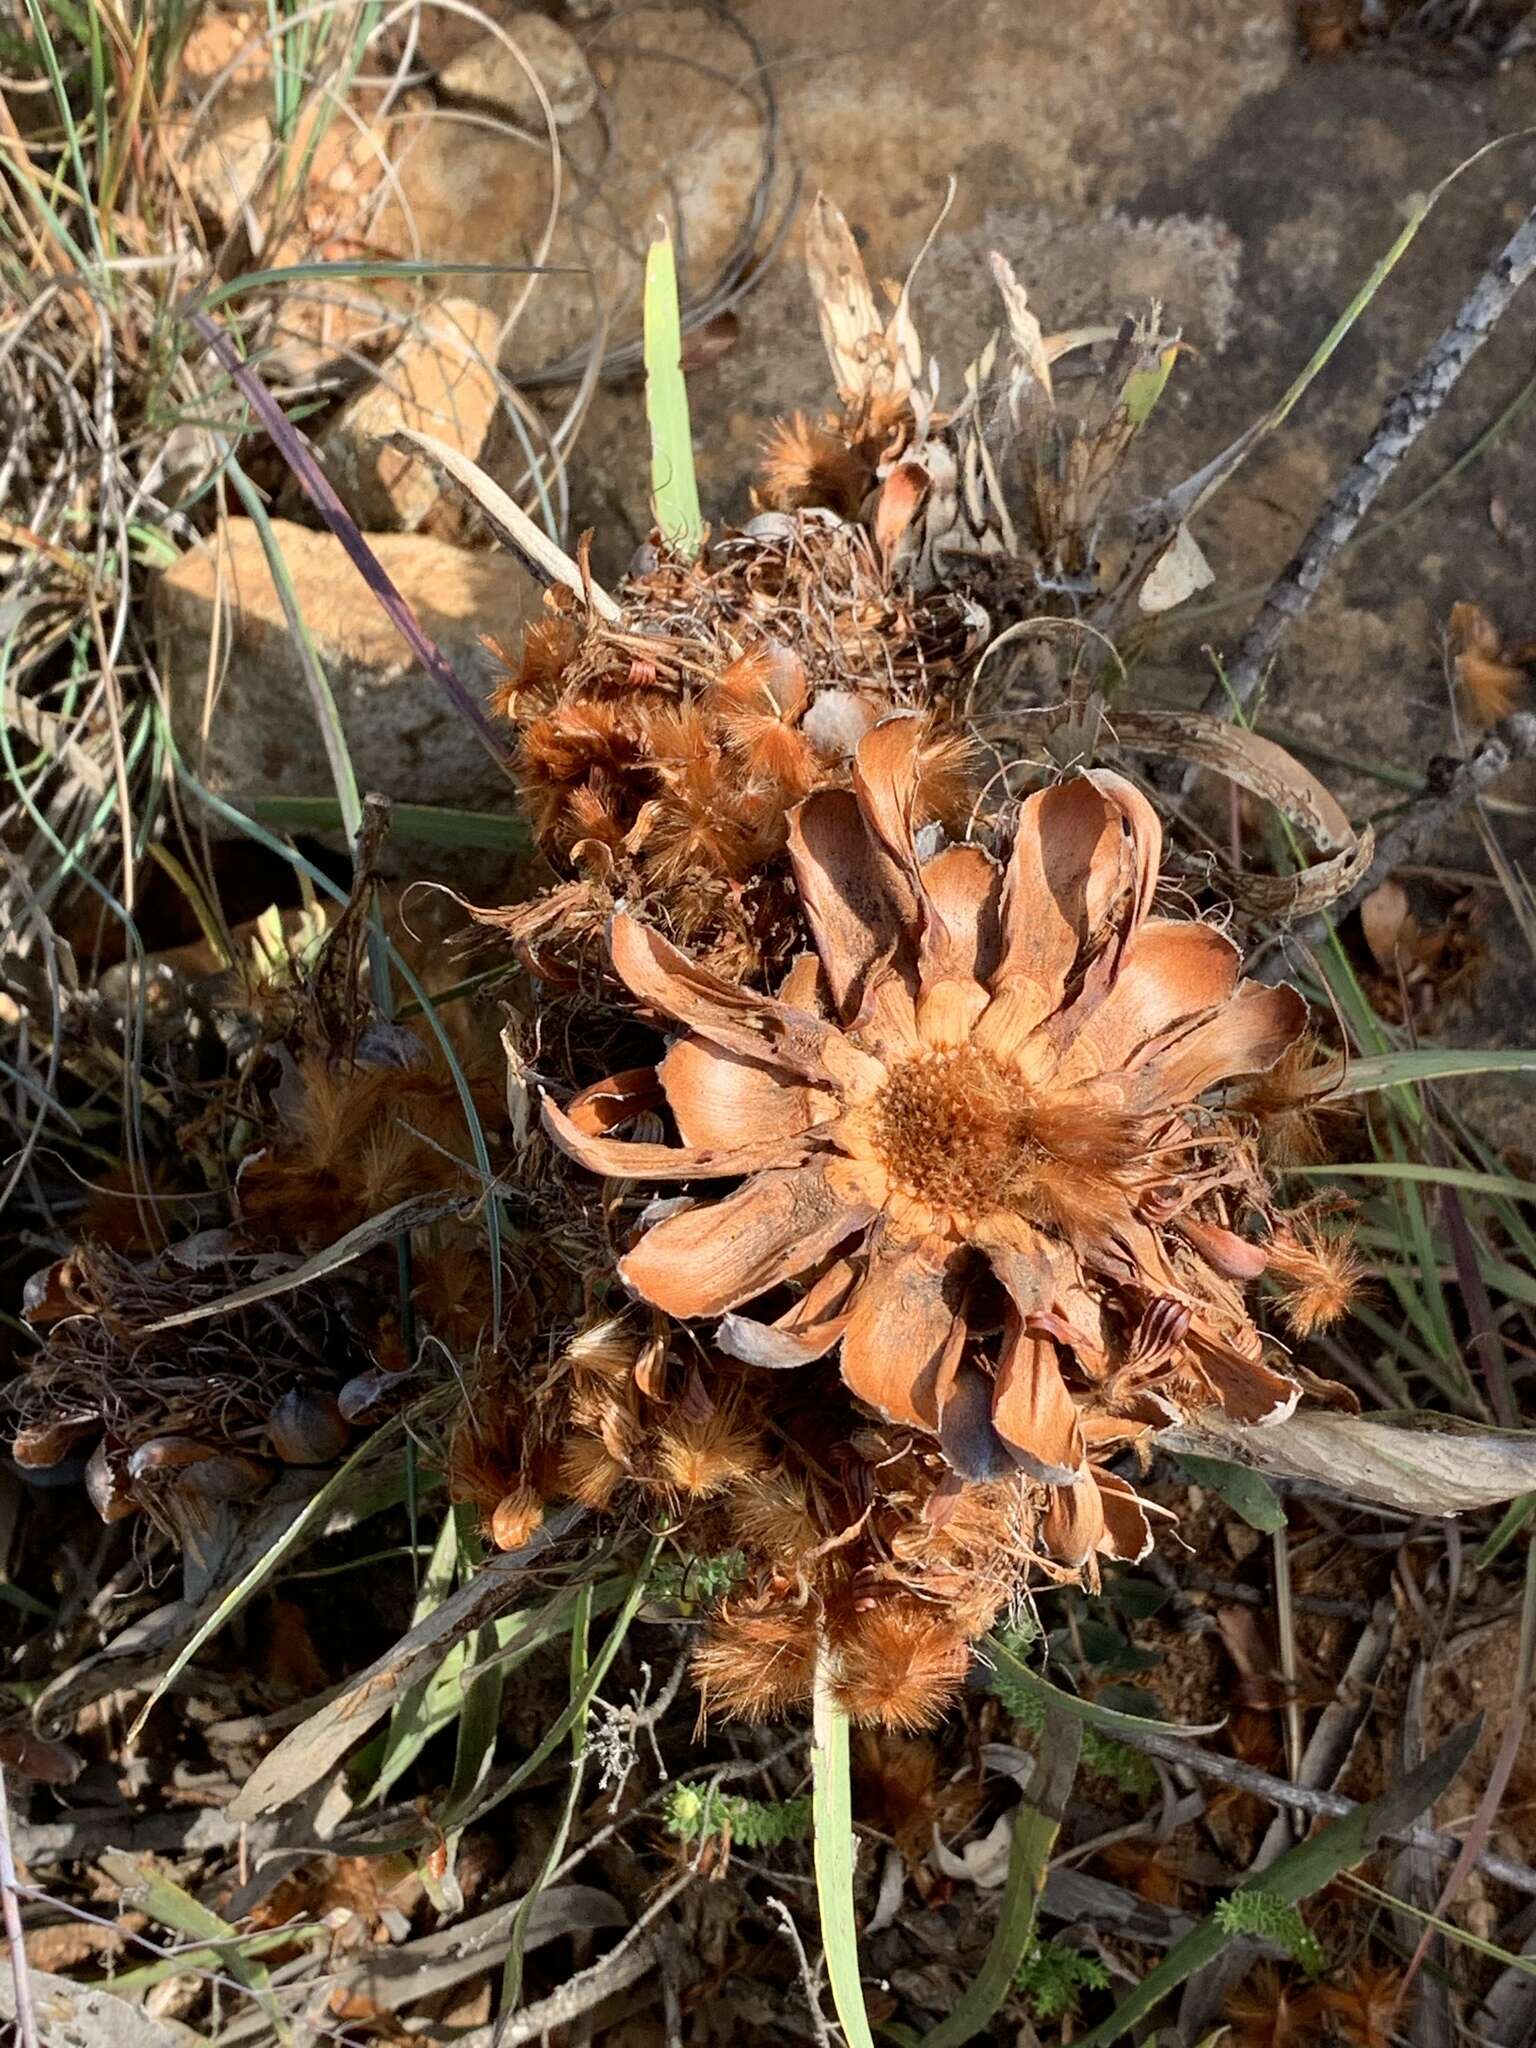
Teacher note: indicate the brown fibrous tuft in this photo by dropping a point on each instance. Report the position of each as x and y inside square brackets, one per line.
[899, 1664]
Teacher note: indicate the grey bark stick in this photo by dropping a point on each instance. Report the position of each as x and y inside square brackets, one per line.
[1451, 786]
[1406, 415]
[1189, 1756]
[26, 2016]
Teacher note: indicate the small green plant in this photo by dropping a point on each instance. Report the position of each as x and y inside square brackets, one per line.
[698, 1813]
[699, 1581]
[1125, 1767]
[1271, 1919]
[1053, 1977]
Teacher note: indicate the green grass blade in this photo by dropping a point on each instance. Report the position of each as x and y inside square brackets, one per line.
[832, 1820]
[1036, 1825]
[583, 1694]
[355, 272]
[674, 486]
[1429, 1063]
[418, 1714]
[165, 1902]
[426, 824]
[1468, 1177]
[512, 1975]
[1105, 1719]
[327, 716]
[1514, 1519]
[481, 1688]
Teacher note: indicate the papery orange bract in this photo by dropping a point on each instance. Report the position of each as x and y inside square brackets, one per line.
[1002, 1126]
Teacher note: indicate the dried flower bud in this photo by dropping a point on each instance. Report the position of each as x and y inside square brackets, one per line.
[106, 1482]
[608, 1349]
[49, 1443]
[516, 1517]
[307, 1428]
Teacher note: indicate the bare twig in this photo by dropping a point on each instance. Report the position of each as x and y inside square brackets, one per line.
[1449, 787]
[1407, 413]
[26, 2016]
[634, 1957]
[1189, 1756]
[808, 1979]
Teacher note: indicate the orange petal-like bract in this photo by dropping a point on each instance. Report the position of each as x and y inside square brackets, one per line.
[992, 1183]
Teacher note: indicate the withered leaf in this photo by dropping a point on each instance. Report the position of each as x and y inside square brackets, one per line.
[1428, 1466]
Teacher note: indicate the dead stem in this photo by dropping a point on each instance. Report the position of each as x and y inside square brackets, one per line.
[1404, 418]
[26, 2016]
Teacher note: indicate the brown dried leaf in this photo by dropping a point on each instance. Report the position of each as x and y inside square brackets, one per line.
[851, 327]
[1024, 329]
[1179, 571]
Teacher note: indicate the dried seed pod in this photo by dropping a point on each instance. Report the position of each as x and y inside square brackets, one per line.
[50, 1443]
[515, 1517]
[198, 1468]
[106, 1481]
[35, 1757]
[50, 1294]
[308, 1428]
[370, 1393]
[161, 1454]
[228, 1475]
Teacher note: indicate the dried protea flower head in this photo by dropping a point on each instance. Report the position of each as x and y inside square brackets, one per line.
[660, 752]
[978, 1157]
[998, 488]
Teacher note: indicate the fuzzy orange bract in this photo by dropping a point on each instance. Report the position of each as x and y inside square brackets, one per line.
[985, 1174]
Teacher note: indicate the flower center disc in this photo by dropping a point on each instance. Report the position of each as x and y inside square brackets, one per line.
[955, 1130]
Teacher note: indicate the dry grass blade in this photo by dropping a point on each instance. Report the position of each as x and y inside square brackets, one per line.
[304, 1757]
[416, 1212]
[547, 562]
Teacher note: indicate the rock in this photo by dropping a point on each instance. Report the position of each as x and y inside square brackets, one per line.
[71, 2015]
[671, 139]
[224, 132]
[441, 380]
[489, 74]
[404, 737]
